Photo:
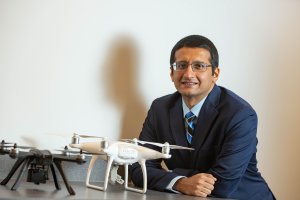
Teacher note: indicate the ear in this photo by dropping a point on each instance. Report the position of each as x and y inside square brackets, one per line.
[172, 74]
[216, 75]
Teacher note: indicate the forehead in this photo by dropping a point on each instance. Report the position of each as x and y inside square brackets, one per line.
[192, 54]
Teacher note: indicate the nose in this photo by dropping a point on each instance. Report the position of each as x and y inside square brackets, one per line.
[189, 71]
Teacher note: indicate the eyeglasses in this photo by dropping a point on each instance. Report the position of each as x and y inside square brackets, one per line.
[196, 66]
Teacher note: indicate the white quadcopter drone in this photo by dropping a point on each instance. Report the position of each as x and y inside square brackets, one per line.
[124, 152]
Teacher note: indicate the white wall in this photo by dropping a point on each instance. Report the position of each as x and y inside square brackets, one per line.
[94, 67]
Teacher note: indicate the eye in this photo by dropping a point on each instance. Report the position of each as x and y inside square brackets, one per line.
[199, 66]
[181, 65]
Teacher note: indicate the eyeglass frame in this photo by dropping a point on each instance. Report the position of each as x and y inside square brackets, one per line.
[174, 67]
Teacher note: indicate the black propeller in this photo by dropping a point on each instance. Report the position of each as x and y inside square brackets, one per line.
[166, 144]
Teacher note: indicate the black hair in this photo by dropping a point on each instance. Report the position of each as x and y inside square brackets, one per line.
[197, 41]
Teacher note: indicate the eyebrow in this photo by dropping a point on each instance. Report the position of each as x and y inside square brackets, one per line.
[199, 61]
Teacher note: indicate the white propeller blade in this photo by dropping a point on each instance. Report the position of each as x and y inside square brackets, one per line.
[180, 147]
[91, 136]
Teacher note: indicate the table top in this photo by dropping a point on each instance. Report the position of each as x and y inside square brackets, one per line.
[28, 191]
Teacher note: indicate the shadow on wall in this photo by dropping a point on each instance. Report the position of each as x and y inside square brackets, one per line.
[121, 78]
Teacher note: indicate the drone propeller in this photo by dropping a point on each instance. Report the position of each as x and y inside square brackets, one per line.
[66, 150]
[25, 147]
[90, 136]
[76, 135]
[73, 151]
[15, 146]
[166, 144]
[3, 142]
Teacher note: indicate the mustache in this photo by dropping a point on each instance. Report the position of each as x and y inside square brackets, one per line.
[189, 80]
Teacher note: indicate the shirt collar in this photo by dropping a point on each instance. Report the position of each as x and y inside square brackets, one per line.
[195, 110]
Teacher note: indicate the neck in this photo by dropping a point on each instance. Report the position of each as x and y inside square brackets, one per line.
[191, 101]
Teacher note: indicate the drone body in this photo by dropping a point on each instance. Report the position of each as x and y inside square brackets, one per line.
[122, 153]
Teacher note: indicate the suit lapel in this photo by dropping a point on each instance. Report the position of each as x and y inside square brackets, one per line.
[177, 126]
[207, 116]
[177, 123]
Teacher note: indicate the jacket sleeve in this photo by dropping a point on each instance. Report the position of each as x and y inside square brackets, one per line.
[238, 151]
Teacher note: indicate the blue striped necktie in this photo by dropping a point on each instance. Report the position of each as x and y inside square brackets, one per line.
[190, 122]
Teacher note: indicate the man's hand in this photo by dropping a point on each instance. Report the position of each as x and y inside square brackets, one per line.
[198, 185]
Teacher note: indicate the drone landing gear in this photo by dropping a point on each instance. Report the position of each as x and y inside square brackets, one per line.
[92, 163]
[18, 163]
[143, 166]
[57, 185]
[60, 169]
[13, 170]
[108, 168]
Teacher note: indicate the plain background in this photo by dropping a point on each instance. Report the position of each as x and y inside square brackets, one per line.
[94, 67]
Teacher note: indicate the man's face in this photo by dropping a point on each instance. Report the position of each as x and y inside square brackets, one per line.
[194, 86]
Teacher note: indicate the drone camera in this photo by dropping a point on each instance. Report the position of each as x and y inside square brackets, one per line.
[37, 175]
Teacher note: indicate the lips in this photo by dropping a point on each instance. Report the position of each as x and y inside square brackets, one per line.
[189, 83]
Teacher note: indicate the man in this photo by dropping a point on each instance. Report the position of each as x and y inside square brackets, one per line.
[217, 123]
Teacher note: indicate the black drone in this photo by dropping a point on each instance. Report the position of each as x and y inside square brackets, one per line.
[38, 163]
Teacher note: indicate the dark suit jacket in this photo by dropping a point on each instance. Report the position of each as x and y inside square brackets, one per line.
[224, 141]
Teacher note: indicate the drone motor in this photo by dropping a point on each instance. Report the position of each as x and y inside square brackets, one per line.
[103, 144]
[166, 149]
[13, 152]
[75, 139]
[81, 156]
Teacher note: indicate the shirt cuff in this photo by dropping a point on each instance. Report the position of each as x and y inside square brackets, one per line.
[171, 184]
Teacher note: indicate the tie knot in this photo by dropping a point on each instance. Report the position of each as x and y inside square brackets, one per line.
[189, 116]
